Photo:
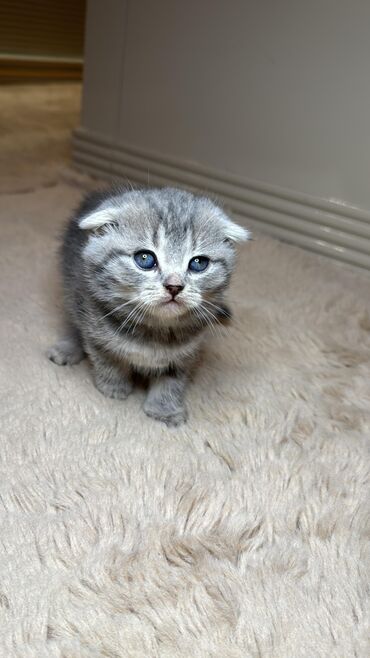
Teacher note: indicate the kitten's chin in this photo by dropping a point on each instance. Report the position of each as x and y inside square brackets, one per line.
[172, 310]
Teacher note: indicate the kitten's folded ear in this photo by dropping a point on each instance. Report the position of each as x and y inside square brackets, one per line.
[234, 232]
[98, 219]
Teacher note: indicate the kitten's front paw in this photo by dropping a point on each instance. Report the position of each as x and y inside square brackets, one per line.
[118, 389]
[171, 417]
[65, 352]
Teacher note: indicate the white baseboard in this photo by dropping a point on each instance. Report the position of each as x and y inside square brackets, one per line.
[336, 230]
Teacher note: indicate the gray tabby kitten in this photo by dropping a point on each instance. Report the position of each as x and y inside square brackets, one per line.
[144, 276]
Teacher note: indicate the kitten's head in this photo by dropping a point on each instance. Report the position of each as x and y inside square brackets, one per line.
[165, 252]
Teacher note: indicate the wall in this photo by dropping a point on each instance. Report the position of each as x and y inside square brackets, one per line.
[230, 93]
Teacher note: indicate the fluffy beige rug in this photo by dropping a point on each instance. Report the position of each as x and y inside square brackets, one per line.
[242, 534]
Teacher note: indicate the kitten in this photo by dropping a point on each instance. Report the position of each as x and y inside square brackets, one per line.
[144, 275]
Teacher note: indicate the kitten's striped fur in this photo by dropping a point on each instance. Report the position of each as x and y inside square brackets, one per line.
[118, 313]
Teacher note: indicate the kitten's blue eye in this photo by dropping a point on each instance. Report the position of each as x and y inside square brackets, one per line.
[145, 260]
[199, 264]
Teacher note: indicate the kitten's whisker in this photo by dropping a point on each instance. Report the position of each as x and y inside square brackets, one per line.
[205, 318]
[136, 317]
[119, 307]
[202, 318]
[218, 309]
[198, 318]
[221, 309]
[213, 321]
[128, 318]
[140, 316]
[143, 308]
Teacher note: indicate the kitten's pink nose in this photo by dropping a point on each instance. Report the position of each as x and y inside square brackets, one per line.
[174, 290]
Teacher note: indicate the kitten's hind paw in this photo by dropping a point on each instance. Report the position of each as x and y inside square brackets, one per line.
[65, 352]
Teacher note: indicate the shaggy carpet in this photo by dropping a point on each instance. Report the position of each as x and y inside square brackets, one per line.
[243, 533]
